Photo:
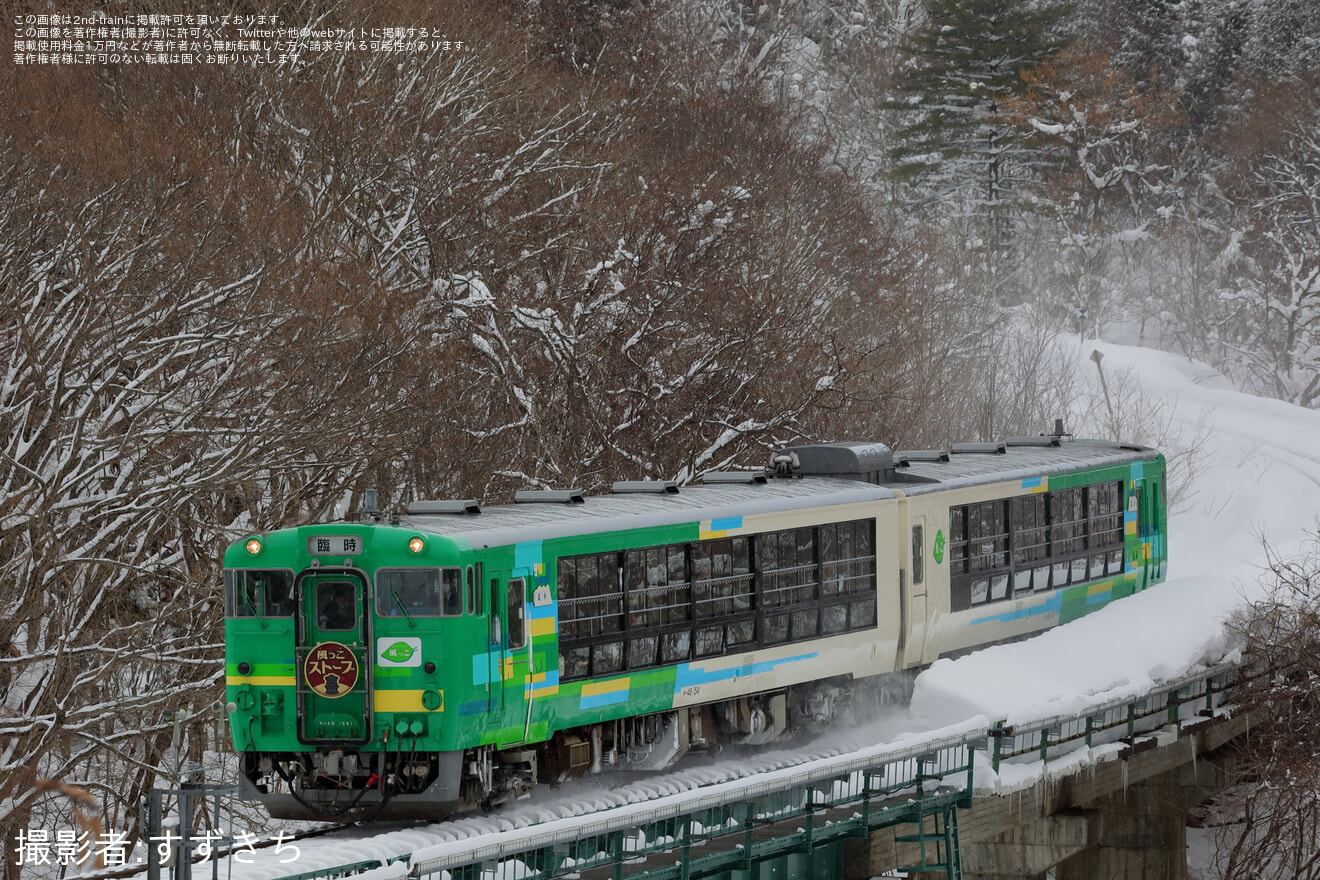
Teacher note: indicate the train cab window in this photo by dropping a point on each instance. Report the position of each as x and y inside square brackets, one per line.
[279, 594]
[258, 593]
[336, 606]
[419, 592]
[242, 594]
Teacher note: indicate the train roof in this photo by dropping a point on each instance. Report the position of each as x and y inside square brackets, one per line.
[973, 464]
[880, 474]
[508, 524]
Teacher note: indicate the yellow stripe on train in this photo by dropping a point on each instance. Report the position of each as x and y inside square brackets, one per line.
[263, 680]
[404, 701]
[594, 689]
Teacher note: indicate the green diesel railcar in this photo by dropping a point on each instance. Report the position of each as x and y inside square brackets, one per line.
[410, 666]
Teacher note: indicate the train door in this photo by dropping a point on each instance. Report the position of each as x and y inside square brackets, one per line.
[333, 667]
[510, 650]
[1158, 530]
[1147, 504]
[917, 576]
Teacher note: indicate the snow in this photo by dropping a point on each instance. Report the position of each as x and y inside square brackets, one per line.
[1164, 632]
[1256, 478]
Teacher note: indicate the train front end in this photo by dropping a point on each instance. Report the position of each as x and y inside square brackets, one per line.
[337, 640]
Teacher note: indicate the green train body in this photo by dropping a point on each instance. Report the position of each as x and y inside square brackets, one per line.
[413, 666]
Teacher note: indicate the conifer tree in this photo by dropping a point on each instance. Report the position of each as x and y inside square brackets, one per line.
[961, 149]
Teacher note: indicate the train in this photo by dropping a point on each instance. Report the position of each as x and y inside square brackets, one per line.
[452, 655]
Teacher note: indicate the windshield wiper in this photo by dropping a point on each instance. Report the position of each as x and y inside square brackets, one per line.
[247, 600]
[404, 611]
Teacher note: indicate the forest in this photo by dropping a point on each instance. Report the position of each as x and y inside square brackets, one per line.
[604, 239]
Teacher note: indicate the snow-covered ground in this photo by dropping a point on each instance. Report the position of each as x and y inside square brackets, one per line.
[1256, 478]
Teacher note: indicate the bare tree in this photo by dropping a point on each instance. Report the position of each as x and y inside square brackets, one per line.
[1271, 824]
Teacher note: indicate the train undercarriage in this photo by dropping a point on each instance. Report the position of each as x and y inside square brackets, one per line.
[401, 782]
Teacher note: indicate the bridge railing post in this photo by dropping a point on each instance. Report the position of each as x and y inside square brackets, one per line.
[997, 734]
[971, 771]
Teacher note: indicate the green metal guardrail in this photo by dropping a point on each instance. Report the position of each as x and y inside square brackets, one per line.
[730, 827]
[883, 787]
[1113, 721]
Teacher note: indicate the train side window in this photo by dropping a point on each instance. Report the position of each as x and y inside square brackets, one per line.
[659, 592]
[451, 592]
[1030, 540]
[496, 635]
[958, 540]
[1106, 527]
[517, 627]
[1067, 525]
[789, 573]
[918, 554]
[472, 590]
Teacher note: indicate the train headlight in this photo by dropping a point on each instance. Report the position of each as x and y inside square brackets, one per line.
[416, 545]
[253, 546]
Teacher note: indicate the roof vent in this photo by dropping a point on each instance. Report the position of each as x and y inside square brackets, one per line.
[645, 487]
[548, 496]
[979, 448]
[1052, 440]
[905, 457]
[448, 506]
[871, 462]
[724, 477]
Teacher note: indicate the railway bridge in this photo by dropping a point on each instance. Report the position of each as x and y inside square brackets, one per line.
[1100, 793]
[1124, 815]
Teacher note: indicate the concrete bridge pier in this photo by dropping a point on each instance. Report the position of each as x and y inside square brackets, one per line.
[1028, 851]
[1143, 833]
[1120, 818]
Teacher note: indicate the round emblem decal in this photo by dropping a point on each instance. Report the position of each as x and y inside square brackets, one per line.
[330, 669]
